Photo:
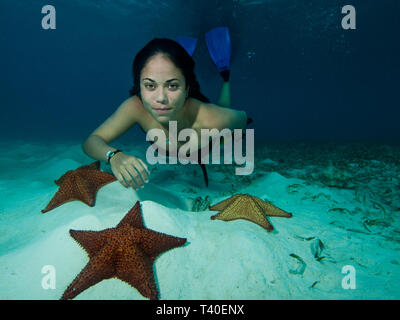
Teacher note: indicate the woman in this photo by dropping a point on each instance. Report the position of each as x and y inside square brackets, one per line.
[165, 89]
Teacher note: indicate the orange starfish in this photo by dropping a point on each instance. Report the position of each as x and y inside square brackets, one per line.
[245, 206]
[126, 252]
[81, 184]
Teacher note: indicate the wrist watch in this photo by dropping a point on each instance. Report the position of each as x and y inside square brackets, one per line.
[110, 154]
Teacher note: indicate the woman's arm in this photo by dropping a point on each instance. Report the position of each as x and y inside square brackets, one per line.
[126, 116]
[129, 170]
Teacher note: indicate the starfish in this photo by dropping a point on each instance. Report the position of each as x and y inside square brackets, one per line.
[80, 184]
[126, 252]
[245, 206]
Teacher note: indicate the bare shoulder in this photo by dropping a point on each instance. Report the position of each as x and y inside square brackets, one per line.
[127, 115]
[131, 107]
[214, 116]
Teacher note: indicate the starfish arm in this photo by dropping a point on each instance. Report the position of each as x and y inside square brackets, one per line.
[269, 209]
[93, 166]
[66, 175]
[262, 222]
[154, 243]
[258, 219]
[223, 204]
[99, 267]
[97, 179]
[91, 241]
[92, 174]
[133, 218]
[70, 189]
[136, 268]
[58, 199]
[274, 211]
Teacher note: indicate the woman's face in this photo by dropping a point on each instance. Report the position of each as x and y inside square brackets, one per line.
[163, 89]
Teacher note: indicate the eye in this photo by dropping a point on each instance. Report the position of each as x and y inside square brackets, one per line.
[149, 86]
[173, 86]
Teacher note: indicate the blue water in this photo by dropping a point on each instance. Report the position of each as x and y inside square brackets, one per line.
[294, 68]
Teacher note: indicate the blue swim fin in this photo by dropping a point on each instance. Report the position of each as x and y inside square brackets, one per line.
[219, 47]
[188, 43]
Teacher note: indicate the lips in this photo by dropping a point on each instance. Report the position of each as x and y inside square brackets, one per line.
[162, 110]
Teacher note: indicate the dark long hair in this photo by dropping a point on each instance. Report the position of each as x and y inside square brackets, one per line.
[178, 56]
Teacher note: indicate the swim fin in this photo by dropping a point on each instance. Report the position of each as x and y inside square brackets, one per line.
[219, 47]
[189, 43]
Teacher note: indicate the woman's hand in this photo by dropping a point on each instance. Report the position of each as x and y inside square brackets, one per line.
[129, 170]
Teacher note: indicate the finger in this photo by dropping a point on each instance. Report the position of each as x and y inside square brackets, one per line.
[129, 179]
[135, 176]
[144, 172]
[121, 180]
[144, 166]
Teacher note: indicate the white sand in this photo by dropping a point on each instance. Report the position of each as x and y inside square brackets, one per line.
[221, 260]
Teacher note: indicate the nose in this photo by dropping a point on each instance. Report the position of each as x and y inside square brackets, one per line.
[162, 96]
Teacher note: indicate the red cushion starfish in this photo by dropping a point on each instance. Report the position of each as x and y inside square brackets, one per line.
[126, 252]
[81, 184]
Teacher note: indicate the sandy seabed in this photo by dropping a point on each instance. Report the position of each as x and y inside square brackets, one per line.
[345, 201]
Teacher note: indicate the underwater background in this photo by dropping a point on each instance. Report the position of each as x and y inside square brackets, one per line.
[294, 68]
[325, 105]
